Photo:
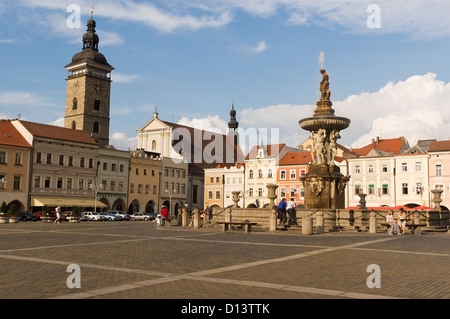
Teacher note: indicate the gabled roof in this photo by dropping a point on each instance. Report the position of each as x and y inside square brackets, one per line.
[271, 151]
[391, 145]
[296, 158]
[9, 135]
[439, 146]
[58, 133]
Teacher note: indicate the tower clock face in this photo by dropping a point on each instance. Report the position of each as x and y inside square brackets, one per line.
[98, 88]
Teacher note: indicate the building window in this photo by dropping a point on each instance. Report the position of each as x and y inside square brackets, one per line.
[404, 167]
[2, 157]
[69, 183]
[18, 159]
[153, 145]
[217, 194]
[61, 159]
[59, 183]
[371, 168]
[293, 192]
[74, 125]
[81, 184]
[371, 189]
[121, 168]
[357, 169]
[358, 189]
[438, 170]
[74, 103]
[419, 189]
[260, 173]
[37, 181]
[155, 189]
[260, 191]
[139, 188]
[47, 182]
[95, 127]
[250, 192]
[97, 104]
[405, 188]
[70, 160]
[292, 173]
[81, 161]
[210, 195]
[120, 186]
[113, 186]
[49, 158]
[283, 174]
[250, 174]
[418, 166]
[384, 169]
[385, 189]
[283, 192]
[38, 157]
[183, 189]
[91, 163]
[269, 173]
[131, 188]
[105, 166]
[17, 180]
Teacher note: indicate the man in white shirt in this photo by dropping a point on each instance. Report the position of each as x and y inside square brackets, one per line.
[290, 209]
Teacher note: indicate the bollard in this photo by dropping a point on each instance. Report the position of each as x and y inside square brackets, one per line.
[197, 219]
[180, 217]
[185, 218]
[319, 223]
[373, 223]
[273, 220]
[307, 225]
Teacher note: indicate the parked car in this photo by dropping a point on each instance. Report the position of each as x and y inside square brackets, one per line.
[25, 216]
[120, 213]
[110, 216]
[93, 216]
[140, 216]
[84, 217]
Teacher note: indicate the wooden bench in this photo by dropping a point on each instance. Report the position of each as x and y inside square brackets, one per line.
[408, 224]
[247, 225]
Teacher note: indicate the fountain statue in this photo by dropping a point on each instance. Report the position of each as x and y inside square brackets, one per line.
[324, 184]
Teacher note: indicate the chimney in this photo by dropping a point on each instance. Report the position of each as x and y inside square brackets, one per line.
[378, 140]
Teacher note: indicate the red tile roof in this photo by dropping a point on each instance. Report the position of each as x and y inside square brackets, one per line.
[296, 158]
[58, 133]
[437, 146]
[9, 135]
[392, 145]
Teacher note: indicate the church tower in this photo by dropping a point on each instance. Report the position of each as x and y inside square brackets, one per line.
[88, 89]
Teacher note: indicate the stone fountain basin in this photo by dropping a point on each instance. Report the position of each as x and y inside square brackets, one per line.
[324, 122]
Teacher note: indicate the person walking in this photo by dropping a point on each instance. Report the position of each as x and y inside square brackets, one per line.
[164, 215]
[58, 215]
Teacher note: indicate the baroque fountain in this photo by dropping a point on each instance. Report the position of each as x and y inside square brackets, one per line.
[324, 183]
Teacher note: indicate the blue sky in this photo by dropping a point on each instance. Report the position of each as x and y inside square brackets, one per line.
[192, 58]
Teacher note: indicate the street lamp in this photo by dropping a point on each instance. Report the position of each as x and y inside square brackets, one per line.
[170, 192]
[96, 189]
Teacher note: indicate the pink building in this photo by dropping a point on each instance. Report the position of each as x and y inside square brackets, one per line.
[439, 170]
[291, 167]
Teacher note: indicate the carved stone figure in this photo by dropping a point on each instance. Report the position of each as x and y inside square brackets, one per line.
[316, 183]
[332, 146]
[325, 86]
[319, 150]
[342, 183]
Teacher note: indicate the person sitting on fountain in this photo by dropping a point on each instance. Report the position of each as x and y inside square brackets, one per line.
[281, 211]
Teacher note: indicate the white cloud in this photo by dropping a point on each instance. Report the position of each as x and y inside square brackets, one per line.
[124, 78]
[210, 123]
[261, 47]
[122, 142]
[58, 122]
[10, 98]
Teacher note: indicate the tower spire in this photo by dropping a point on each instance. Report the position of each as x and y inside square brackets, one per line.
[233, 124]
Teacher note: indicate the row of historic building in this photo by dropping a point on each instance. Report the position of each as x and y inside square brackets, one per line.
[388, 171]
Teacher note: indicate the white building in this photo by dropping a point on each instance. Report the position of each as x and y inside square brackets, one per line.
[260, 170]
